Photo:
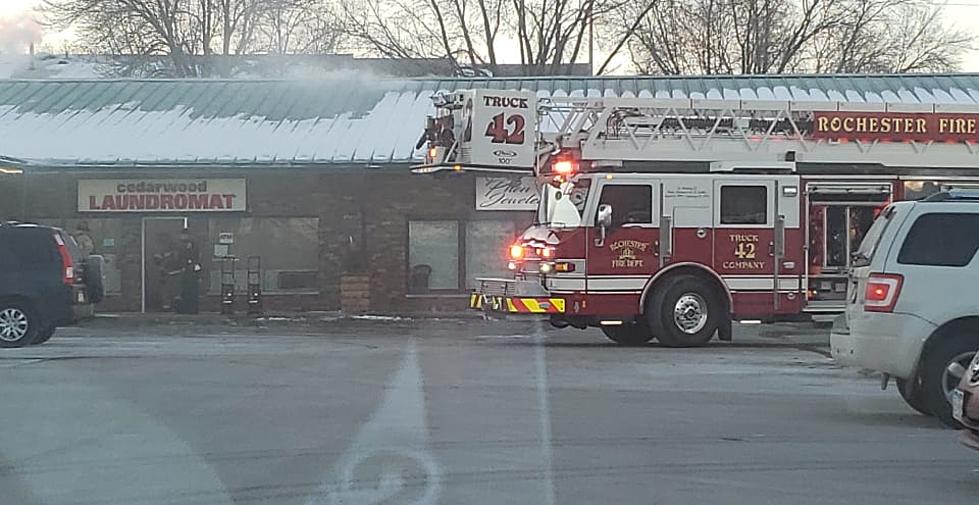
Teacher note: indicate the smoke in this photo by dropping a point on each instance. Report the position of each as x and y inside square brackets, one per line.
[18, 32]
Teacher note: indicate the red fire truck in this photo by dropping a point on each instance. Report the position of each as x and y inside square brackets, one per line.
[669, 218]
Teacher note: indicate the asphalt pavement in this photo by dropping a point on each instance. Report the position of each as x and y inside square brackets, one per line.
[327, 411]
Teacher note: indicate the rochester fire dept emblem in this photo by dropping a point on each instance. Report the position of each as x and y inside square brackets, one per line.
[628, 252]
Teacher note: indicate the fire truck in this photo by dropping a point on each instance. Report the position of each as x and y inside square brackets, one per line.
[667, 219]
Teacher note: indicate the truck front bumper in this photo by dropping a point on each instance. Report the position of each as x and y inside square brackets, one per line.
[513, 296]
[517, 304]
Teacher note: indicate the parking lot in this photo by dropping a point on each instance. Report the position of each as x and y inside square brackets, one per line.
[456, 411]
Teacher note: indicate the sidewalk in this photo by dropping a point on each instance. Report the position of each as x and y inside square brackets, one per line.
[139, 320]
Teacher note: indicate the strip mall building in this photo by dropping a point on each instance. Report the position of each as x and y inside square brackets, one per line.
[313, 178]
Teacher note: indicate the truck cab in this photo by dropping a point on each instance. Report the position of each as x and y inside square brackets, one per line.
[607, 244]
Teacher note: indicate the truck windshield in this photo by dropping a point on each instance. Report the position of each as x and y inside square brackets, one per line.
[563, 206]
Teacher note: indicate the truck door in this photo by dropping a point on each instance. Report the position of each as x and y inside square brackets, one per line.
[745, 217]
[840, 213]
[687, 217]
[621, 261]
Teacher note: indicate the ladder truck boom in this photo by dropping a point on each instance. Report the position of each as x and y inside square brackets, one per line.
[463, 135]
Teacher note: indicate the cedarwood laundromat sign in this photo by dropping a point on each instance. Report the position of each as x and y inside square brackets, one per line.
[161, 195]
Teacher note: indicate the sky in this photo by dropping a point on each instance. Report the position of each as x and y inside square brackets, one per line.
[963, 13]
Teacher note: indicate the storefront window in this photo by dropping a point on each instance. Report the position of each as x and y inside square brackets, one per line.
[288, 248]
[433, 256]
[435, 249]
[485, 247]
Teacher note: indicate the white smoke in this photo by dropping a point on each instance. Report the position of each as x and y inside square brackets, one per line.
[18, 32]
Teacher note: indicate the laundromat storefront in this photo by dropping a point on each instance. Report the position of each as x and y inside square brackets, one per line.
[137, 225]
[401, 242]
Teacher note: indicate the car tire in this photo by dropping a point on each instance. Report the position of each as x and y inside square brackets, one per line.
[44, 334]
[685, 312]
[18, 324]
[628, 334]
[910, 391]
[936, 377]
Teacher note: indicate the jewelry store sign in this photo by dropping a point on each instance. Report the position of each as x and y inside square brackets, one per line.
[506, 193]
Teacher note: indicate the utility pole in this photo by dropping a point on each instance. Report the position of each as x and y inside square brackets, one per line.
[591, 39]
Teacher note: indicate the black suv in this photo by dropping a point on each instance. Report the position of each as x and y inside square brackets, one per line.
[44, 283]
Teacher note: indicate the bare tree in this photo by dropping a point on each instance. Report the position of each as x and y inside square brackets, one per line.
[140, 27]
[891, 36]
[778, 36]
[549, 34]
[237, 21]
[188, 33]
[298, 26]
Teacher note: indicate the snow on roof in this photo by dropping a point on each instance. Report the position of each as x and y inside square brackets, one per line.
[345, 120]
[48, 66]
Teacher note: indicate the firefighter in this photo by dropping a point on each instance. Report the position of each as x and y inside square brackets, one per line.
[168, 268]
[190, 269]
[83, 237]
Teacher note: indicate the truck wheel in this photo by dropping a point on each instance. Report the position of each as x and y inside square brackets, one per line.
[44, 334]
[685, 312]
[941, 370]
[628, 334]
[18, 325]
[911, 393]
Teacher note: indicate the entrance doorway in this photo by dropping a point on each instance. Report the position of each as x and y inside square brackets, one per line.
[161, 238]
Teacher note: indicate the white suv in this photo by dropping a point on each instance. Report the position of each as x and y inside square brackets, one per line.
[913, 301]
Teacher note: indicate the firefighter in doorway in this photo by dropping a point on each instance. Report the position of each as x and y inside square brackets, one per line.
[168, 268]
[188, 300]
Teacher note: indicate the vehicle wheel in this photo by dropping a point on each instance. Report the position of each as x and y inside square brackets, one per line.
[941, 370]
[911, 393]
[18, 326]
[628, 334]
[685, 312]
[44, 334]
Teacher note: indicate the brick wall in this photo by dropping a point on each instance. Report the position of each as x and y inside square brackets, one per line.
[11, 196]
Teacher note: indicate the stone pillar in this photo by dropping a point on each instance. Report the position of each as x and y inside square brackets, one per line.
[355, 293]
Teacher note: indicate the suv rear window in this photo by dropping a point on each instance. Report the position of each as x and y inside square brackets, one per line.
[941, 239]
[30, 246]
[871, 239]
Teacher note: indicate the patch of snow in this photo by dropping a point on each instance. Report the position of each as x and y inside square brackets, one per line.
[374, 317]
[48, 66]
[11, 64]
[504, 337]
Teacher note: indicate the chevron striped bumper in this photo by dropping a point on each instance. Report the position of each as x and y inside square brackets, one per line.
[517, 304]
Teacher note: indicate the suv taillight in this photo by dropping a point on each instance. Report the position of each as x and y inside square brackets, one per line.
[882, 292]
[67, 264]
